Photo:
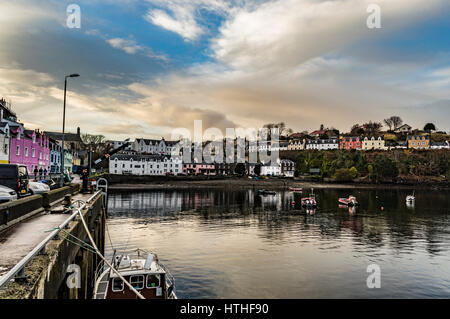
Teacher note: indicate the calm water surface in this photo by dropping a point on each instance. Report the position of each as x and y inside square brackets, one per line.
[236, 244]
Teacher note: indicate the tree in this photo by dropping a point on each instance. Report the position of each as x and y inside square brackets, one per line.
[282, 129]
[372, 128]
[429, 127]
[96, 144]
[389, 123]
[356, 130]
[343, 175]
[385, 168]
[396, 121]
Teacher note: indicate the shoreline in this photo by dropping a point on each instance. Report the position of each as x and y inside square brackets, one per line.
[270, 184]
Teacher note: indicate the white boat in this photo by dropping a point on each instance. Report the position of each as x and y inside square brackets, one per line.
[150, 278]
[410, 198]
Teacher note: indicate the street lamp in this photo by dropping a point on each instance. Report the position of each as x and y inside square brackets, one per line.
[74, 75]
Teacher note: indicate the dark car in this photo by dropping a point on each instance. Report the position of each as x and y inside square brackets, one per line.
[15, 177]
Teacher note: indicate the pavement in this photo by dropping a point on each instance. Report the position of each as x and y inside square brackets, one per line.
[18, 241]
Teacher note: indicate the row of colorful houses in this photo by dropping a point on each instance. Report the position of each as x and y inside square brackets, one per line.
[39, 151]
[366, 143]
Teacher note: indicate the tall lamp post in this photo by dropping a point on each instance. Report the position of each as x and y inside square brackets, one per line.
[75, 75]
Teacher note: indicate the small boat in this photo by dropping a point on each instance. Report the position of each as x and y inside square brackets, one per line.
[150, 278]
[410, 198]
[350, 201]
[266, 192]
[309, 202]
[295, 189]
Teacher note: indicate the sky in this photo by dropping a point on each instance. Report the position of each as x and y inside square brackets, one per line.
[150, 66]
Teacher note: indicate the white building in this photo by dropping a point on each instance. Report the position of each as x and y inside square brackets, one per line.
[323, 144]
[404, 129]
[287, 168]
[271, 169]
[373, 143]
[155, 165]
[440, 145]
[4, 142]
[117, 144]
[160, 147]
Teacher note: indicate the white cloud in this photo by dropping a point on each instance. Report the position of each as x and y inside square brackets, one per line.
[285, 33]
[182, 16]
[131, 47]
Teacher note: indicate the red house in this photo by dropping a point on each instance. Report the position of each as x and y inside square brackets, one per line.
[350, 143]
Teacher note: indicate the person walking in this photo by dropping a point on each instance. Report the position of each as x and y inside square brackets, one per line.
[45, 173]
[40, 173]
[35, 172]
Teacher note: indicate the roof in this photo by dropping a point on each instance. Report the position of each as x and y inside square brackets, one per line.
[318, 132]
[418, 137]
[68, 137]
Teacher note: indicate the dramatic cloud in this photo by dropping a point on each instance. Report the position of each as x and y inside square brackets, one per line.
[181, 16]
[236, 63]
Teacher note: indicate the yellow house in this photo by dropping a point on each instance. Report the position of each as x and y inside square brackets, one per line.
[419, 141]
[296, 145]
[373, 143]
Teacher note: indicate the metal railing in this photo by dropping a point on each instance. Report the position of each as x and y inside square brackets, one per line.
[19, 268]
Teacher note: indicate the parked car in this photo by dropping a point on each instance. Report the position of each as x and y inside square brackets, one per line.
[15, 176]
[7, 194]
[38, 188]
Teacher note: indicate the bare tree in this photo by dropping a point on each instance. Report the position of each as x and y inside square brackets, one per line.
[396, 121]
[389, 123]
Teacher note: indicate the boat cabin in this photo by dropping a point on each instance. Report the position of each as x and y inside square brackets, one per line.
[147, 276]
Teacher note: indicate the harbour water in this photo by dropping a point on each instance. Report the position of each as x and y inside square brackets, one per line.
[237, 244]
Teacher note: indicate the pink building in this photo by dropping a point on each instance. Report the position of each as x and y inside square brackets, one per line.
[199, 169]
[30, 148]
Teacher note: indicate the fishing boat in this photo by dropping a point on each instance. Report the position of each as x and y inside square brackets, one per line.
[309, 202]
[350, 201]
[266, 192]
[410, 198]
[146, 275]
[295, 189]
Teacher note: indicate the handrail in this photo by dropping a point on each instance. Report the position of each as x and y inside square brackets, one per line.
[40, 247]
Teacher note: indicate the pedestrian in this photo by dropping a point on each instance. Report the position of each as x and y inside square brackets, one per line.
[35, 173]
[84, 176]
[45, 173]
[40, 173]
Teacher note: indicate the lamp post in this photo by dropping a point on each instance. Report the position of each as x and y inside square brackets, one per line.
[75, 75]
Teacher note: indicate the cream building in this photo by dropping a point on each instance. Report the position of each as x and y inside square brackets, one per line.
[373, 143]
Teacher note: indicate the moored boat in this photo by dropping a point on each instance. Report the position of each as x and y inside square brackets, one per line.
[350, 201]
[149, 277]
[309, 202]
[410, 198]
[295, 189]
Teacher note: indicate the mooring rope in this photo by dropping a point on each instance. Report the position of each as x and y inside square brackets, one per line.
[104, 259]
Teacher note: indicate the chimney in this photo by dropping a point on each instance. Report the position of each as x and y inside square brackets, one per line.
[78, 131]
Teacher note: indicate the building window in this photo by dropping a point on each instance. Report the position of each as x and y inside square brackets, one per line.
[33, 153]
[26, 151]
[18, 150]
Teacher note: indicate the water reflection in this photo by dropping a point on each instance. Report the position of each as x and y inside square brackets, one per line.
[240, 244]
